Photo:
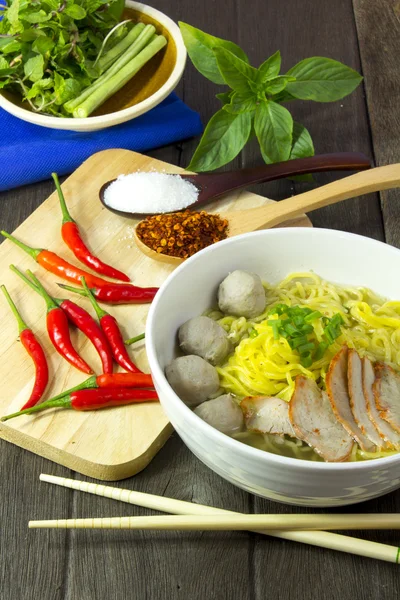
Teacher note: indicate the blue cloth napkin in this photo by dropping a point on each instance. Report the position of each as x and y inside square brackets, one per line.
[30, 153]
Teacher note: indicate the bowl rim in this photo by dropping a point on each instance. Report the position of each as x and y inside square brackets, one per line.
[192, 418]
[137, 109]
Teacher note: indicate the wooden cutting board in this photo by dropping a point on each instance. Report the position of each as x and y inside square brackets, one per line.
[115, 443]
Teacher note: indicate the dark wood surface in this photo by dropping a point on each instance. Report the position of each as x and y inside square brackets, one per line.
[92, 565]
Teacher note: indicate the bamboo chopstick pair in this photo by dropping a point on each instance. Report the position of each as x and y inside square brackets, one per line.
[297, 528]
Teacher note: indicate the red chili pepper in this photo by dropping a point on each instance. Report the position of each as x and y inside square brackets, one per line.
[109, 325]
[72, 237]
[83, 321]
[35, 351]
[93, 400]
[57, 265]
[57, 327]
[112, 380]
[116, 293]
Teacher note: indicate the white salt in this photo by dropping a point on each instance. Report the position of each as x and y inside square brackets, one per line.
[150, 193]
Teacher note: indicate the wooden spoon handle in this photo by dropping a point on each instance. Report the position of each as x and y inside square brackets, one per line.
[374, 180]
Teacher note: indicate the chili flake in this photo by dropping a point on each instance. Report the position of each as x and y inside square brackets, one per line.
[181, 234]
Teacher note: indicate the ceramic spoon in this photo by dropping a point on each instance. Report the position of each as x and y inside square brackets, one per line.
[213, 185]
[263, 217]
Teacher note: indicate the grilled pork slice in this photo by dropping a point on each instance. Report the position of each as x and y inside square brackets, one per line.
[387, 394]
[314, 422]
[266, 414]
[387, 432]
[358, 402]
[336, 386]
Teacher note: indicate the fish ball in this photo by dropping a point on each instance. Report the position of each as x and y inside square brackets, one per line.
[193, 379]
[206, 338]
[242, 294]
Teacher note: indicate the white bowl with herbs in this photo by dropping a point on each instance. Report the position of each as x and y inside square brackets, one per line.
[81, 71]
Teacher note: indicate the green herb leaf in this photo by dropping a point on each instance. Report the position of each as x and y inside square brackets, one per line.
[65, 89]
[11, 47]
[200, 47]
[36, 17]
[223, 139]
[322, 80]
[75, 11]
[302, 144]
[269, 68]
[276, 85]
[12, 15]
[235, 71]
[273, 126]
[43, 44]
[39, 86]
[224, 97]
[241, 102]
[34, 67]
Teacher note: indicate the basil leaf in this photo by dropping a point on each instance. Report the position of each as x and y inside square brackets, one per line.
[302, 144]
[241, 103]
[223, 139]
[42, 44]
[269, 68]
[34, 67]
[200, 47]
[276, 85]
[273, 126]
[75, 11]
[322, 80]
[224, 97]
[234, 70]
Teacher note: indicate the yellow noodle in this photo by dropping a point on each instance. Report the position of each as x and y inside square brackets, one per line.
[262, 365]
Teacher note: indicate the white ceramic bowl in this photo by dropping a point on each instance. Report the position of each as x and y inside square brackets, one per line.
[339, 257]
[108, 120]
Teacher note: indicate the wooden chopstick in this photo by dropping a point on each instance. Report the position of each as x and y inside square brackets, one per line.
[323, 539]
[304, 522]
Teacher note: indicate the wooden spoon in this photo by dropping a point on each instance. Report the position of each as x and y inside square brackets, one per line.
[263, 217]
[214, 185]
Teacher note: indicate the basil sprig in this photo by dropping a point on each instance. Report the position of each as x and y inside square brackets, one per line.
[253, 105]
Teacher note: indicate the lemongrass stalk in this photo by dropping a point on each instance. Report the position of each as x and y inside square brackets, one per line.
[111, 55]
[145, 37]
[116, 82]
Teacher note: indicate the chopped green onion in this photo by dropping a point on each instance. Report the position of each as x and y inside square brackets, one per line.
[312, 316]
[306, 347]
[253, 333]
[298, 341]
[307, 361]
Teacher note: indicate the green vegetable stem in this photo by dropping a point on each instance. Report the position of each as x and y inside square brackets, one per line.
[117, 81]
[66, 58]
[253, 104]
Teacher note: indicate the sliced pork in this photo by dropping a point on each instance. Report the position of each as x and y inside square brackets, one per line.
[265, 414]
[314, 422]
[387, 394]
[336, 386]
[358, 402]
[391, 437]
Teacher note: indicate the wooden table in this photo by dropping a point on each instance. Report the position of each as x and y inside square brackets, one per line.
[94, 565]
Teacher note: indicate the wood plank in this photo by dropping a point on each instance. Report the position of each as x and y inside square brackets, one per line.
[378, 26]
[32, 566]
[161, 565]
